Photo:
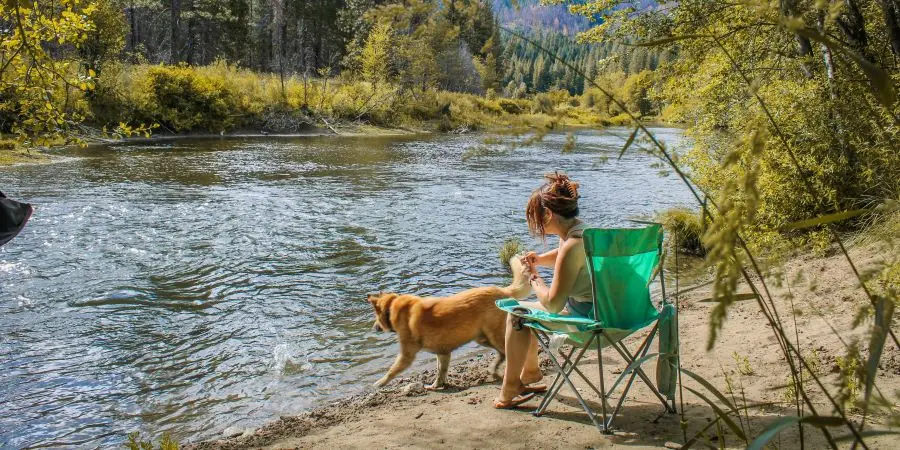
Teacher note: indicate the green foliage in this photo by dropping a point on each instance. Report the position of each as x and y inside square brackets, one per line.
[106, 38]
[36, 85]
[743, 364]
[686, 227]
[165, 443]
[511, 247]
[535, 71]
[849, 379]
[376, 55]
[223, 97]
[184, 99]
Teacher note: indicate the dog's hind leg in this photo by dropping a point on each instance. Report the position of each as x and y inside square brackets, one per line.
[497, 341]
[495, 366]
[403, 361]
[443, 364]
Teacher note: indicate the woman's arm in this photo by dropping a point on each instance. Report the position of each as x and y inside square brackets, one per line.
[544, 260]
[568, 262]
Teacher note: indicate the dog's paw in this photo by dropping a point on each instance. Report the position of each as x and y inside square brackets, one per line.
[380, 383]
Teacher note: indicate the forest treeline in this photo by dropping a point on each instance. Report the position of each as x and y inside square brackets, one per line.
[213, 65]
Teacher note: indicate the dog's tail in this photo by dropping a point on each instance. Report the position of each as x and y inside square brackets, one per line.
[521, 285]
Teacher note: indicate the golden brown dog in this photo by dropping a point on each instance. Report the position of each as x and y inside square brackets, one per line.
[441, 325]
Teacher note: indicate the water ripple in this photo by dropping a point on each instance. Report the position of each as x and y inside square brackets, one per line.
[190, 285]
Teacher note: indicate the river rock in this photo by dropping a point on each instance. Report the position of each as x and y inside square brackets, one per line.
[413, 390]
[233, 431]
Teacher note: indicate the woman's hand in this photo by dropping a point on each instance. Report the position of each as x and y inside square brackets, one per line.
[529, 261]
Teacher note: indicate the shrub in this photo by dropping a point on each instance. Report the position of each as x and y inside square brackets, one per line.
[543, 103]
[686, 227]
[185, 99]
[511, 106]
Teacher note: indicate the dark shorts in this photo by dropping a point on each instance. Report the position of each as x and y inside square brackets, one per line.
[582, 309]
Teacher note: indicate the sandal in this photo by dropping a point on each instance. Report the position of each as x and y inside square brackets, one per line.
[534, 388]
[514, 403]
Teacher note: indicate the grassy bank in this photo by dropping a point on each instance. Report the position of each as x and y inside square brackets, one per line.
[221, 97]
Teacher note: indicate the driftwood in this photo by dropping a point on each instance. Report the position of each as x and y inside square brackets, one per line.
[329, 126]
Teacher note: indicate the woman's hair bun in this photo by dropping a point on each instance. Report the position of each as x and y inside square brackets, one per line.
[560, 184]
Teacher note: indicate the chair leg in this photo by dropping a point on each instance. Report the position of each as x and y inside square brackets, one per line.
[603, 395]
[623, 351]
[641, 350]
[584, 405]
[557, 382]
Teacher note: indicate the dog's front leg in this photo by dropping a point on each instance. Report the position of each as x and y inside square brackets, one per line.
[404, 359]
[443, 364]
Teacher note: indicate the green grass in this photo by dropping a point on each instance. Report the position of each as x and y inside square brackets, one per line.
[511, 247]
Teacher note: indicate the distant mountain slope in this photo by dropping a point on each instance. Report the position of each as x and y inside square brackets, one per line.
[531, 15]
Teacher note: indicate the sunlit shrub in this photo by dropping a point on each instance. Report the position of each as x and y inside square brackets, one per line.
[686, 227]
[184, 99]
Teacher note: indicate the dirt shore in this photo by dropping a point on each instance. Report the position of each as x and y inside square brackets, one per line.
[746, 357]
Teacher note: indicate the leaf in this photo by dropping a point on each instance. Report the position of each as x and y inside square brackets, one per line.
[884, 311]
[629, 141]
[821, 220]
[721, 414]
[735, 298]
[709, 387]
[820, 421]
[670, 39]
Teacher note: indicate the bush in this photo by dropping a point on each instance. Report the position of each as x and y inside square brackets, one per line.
[511, 106]
[185, 100]
[543, 104]
[686, 227]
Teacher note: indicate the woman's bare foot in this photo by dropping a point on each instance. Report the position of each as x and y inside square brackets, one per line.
[531, 377]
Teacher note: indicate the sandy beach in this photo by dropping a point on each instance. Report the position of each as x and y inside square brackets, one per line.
[404, 415]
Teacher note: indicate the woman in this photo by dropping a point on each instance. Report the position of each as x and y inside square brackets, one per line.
[551, 210]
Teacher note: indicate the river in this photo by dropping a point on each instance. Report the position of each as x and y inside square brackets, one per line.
[190, 285]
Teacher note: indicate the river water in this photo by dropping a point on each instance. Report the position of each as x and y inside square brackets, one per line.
[192, 285]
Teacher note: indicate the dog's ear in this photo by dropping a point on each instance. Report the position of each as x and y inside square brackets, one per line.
[372, 298]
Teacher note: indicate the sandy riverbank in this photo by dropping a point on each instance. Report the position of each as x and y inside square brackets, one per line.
[405, 415]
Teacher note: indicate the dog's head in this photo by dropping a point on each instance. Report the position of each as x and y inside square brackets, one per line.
[381, 305]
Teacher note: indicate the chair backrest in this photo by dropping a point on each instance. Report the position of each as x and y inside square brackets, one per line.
[622, 262]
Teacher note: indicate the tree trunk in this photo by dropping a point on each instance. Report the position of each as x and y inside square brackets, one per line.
[853, 26]
[174, 25]
[804, 46]
[892, 23]
[133, 39]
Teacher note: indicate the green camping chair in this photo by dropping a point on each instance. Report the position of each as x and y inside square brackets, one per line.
[623, 263]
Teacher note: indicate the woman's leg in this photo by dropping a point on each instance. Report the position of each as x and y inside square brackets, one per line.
[531, 371]
[517, 343]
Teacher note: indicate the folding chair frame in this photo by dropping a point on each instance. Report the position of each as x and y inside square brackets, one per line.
[566, 367]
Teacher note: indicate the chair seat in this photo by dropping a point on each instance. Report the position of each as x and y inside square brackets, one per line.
[577, 328]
